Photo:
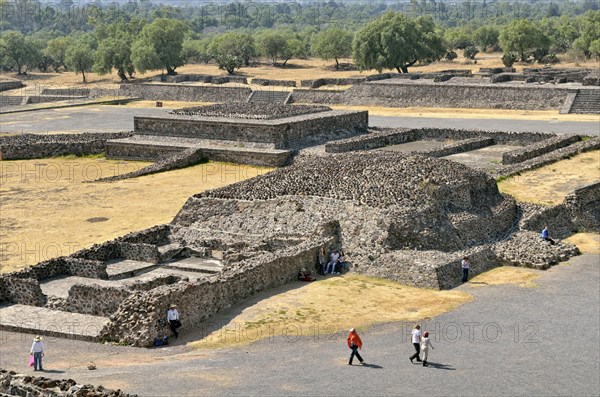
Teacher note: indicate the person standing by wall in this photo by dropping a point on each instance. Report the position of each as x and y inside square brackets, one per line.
[425, 345]
[322, 261]
[465, 264]
[354, 343]
[37, 350]
[173, 318]
[416, 341]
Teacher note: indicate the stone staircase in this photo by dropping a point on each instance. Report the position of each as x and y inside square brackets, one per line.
[269, 96]
[586, 102]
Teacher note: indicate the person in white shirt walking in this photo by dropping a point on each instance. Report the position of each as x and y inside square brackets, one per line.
[465, 264]
[425, 344]
[37, 350]
[416, 341]
[173, 318]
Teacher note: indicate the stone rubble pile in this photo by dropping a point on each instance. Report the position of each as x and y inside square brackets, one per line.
[376, 179]
[14, 384]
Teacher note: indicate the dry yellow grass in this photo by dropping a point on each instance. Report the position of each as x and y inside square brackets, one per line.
[47, 210]
[550, 184]
[300, 69]
[546, 115]
[324, 307]
[588, 243]
[506, 275]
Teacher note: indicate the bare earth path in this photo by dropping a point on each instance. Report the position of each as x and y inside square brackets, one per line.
[478, 351]
[116, 118]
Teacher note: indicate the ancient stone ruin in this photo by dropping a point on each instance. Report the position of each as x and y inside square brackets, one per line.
[404, 204]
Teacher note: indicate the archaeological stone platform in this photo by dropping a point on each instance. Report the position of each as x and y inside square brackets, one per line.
[269, 142]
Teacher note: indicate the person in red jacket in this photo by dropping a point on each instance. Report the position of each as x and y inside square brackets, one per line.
[354, 343]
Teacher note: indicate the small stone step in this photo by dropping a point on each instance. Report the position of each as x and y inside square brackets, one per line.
[125, 268]
[193, 264]
[168, 251]
[42, 321]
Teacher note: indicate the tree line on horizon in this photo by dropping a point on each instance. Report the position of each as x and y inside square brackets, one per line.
[130, 42]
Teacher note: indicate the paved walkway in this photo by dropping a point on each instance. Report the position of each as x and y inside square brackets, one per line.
[115, 118]
[524, 341]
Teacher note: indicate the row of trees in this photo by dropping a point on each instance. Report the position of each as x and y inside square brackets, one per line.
[67, 16]
[392, 41]
[523, 40]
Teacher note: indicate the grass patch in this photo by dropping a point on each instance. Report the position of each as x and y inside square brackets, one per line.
[46, 207]
[588, 243]
[506, 275]
[550, 184]
[87, 156]
[326, 307]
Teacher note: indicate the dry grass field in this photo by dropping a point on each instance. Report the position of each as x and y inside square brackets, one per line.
[506, 275]
[588, 243]
[550, 184]
[47, 210]
[323, 308]
[297, 69]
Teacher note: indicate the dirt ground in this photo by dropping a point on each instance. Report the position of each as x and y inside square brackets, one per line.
[550, 184]
[297, 69]
[46, 210]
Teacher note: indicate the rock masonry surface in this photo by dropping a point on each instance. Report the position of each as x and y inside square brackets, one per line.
[258, 111]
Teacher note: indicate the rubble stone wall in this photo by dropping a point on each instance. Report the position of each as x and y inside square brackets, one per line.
[187, 93]
[539, 148]
[33, 146]
[137, 321]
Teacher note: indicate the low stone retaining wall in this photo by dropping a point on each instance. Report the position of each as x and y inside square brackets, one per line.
[11, 85]
[372, 140]
[459, 147]
[548, 158]
[330, 97]
[33, 146]
[268, 82]
[539, 148]
[187, 93]
[388, 137]
[186, 158]
[203, 78]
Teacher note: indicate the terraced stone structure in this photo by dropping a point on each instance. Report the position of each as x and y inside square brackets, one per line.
[251, 133]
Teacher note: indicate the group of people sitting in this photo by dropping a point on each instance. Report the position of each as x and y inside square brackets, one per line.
[335, 265]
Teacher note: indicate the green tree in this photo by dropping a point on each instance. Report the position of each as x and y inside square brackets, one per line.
[114, 52]
[19, 51]
[486, 37]
[232, 50]
[80, 56]
[160, 46]
[470, 52]
[333, 43]
[523, 37]
[595, 48]
[589, 32]
[271, 43]
[458, 38]
[197, 50]
[57, 51]
[394, 41]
